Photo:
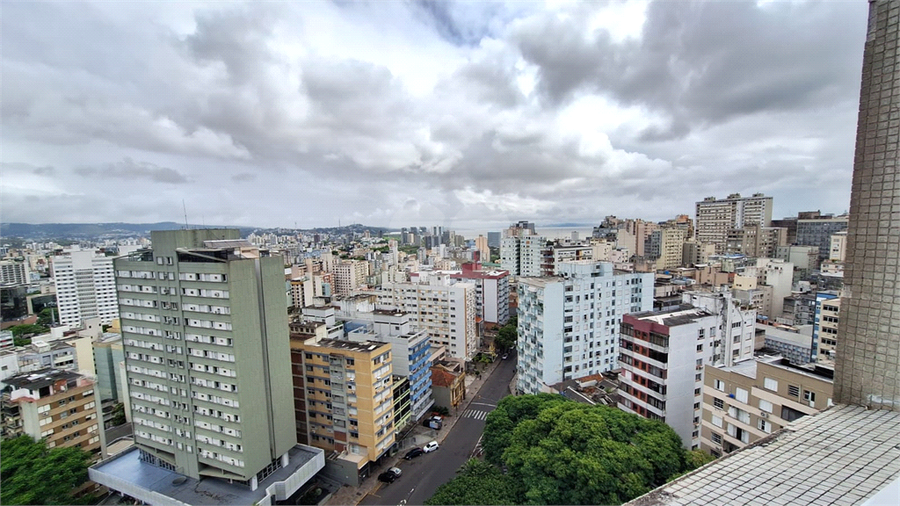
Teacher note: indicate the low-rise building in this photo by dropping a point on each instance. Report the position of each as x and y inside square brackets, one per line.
[750, 400]
[56, 405]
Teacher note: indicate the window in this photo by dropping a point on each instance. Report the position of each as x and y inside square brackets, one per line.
[720, 385]
[793, 391]
[765, 406]
[809, 396]
[719, 403]
[741, 395]
[717, 421]
[716, 438]
[789, 415]
[764, 426]
[770, 384]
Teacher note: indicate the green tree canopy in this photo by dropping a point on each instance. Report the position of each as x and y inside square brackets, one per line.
[557, 451]
[477, 482]
[28, 329]
[30, 473]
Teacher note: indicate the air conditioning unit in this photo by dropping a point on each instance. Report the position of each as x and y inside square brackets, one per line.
[764, 415]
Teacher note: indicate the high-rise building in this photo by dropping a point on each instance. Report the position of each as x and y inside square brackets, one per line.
[350, 275]
[343, 400]
[207, 356]
[494, 239]
[491, 292]
[868, 372]
[13, 273]
[410, 352]
[825, 328]
[85, 287]
[715, 217]
[662, 354]
[818, 231]
[443, 308]
[569, 324]
[481, 244]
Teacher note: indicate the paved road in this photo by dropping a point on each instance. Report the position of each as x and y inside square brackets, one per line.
[423, 475]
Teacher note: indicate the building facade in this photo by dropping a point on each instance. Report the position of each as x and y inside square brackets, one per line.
[746, 402]
[491, 292]
[818, 231]
[569, 324]
[715, 217]
[58, 406]
[444, 309]
[13, 273]
[825, 328]
[205, 335]
[343, 399]
[85, 287]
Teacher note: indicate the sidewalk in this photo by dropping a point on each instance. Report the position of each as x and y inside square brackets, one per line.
[418, 436]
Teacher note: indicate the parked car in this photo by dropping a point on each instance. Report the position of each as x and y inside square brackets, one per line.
[390, 475]
[430, 447]
[415, 452]
[505, 356]
[433, 422]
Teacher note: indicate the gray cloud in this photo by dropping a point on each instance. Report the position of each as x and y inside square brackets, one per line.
[130, 169]
[243, 177]
[710, 98]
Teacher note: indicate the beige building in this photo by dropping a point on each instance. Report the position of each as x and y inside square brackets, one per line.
[343, 400]
[825, 334]
[715, 217]
[59, 406]
[350, 275]
[671, 248]
[752, 399]
[481, 244]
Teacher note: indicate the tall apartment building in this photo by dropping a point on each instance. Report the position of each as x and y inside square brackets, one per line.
[207, 357]
[662, 354]
[569, 324]
[666, 246]
[748, 401]
[410, 352]
[59, 406]
[444, 309]
[481, 244]
[715, 217]
[525, 255]
[817, 231]
[13, 273]
[85, 287]
[344, 402]
[491, 292]
[350, 275]
[825, 328]
[756, 241]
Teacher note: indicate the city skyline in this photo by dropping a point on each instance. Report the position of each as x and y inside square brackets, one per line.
[399, 114]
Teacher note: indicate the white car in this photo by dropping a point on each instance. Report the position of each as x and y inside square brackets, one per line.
[430, 447]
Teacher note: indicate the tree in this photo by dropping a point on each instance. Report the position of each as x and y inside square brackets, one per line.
[46, 317]
[476, 482]
[557, 451]
[30, 473]
[508, 335]
[28, 330]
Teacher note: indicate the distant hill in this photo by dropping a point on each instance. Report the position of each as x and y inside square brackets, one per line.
[85, 231]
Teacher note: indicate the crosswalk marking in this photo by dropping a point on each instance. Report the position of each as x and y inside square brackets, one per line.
[477, 414]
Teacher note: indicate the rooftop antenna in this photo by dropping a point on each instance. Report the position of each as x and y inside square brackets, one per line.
[184, 206]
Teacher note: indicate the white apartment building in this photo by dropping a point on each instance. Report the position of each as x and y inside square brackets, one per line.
[569, 324]
[715, 217]
[491, 292]
[85, 287]
[524, 255]
[13, 273]
[663, 354]
[442, 307]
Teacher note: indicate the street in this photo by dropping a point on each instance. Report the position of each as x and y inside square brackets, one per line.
[423, 475]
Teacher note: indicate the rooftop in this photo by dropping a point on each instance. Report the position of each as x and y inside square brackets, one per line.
[844, 455]
[126, 473]
[681, 315]
[364, 346]
[42, 378]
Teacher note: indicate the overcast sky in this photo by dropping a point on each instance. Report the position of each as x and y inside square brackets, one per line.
[468, 115]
